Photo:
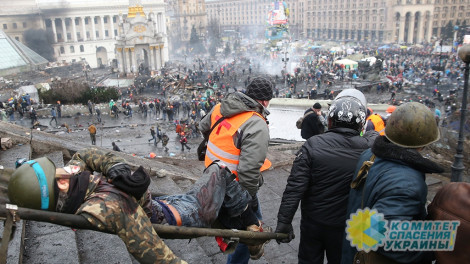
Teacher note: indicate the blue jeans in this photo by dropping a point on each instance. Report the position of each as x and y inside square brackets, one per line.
[201, 205]
[241, 254]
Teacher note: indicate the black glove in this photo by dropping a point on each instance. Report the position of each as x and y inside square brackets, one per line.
[285, 229]
[254, 204]
[120, 169]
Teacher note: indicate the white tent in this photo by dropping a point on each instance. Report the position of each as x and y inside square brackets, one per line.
[31, 90]
[348, 64]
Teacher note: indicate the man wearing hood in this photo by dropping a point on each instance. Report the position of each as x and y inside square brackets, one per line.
[395, 184]
[241, 140]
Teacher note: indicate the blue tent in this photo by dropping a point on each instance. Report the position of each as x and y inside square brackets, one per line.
[384, 47]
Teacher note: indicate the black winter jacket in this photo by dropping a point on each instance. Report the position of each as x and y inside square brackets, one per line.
[321, 177]
[311, 125]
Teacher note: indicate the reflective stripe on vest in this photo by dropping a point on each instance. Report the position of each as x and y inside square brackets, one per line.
[220, 145]
[378, 122]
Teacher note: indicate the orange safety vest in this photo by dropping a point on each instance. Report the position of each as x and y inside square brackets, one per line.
[378, 122]
[220, 145]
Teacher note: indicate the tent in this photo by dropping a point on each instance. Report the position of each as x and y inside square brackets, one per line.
[31, 90]
[348, 64]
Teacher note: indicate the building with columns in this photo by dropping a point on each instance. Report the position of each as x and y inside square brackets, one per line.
[184, 15]
[82, 29]
[397, 21]
[141, 42]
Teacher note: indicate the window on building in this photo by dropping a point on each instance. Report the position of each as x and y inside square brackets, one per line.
[62, 50]
[114, 19]
[72, 49]
[78, 36]
[59, 36]
[25, 25]
[15, 26]
[95, 20]
[115, 32]
[76, 21]
[82, 49]
[69, 36]
[105, 20]
[88, 34]
[97, 34]
[86, 20]
[106, 34]
[17, 38]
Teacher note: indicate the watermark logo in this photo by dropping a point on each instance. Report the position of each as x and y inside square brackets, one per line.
[366, 230]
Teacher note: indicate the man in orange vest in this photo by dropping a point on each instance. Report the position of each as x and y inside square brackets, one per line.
[375, 122]
[240, 140]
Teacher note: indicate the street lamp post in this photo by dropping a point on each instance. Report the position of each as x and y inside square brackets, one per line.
[285, 60]
[457, 166]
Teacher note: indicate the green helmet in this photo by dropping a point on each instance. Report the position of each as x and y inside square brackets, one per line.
[33, 185]
[412, 125]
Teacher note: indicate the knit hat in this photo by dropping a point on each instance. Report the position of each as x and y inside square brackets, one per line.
[135, 184]
[316, 106]
[260, 89]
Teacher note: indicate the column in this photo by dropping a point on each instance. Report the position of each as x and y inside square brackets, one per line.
[401, 33]
[133, 61]
[428, 37]
[152, 59]
[111, 18]
[161, 55]
[74, 30]
[120, 59]
[54, 30]
[420, 32]
[64, 29]
[411, 28]
[127, 59]
[102, 28]
[83, 28]
[157, 58]
[93, 29]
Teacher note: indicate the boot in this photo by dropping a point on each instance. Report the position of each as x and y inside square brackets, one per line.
[257, 251]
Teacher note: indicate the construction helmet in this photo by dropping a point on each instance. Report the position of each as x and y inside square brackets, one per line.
[412, 125]
[33, 185]
[390, 109]
[353, 93]
[347, 112]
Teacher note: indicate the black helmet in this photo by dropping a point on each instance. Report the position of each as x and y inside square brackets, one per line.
[33, 185]
[412, 125]
[347, 112]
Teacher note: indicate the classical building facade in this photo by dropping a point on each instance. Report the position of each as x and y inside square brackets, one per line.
[399, 21]
[82, 29]
[184, 15]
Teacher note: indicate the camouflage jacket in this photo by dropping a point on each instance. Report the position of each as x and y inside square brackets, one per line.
[110, 209]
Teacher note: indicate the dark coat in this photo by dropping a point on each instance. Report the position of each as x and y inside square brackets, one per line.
[395, 187]
[321, 175]
[311, 125]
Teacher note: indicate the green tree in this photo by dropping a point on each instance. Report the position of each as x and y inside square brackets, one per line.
[194, 41]
[227, 49]
[447, 32]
